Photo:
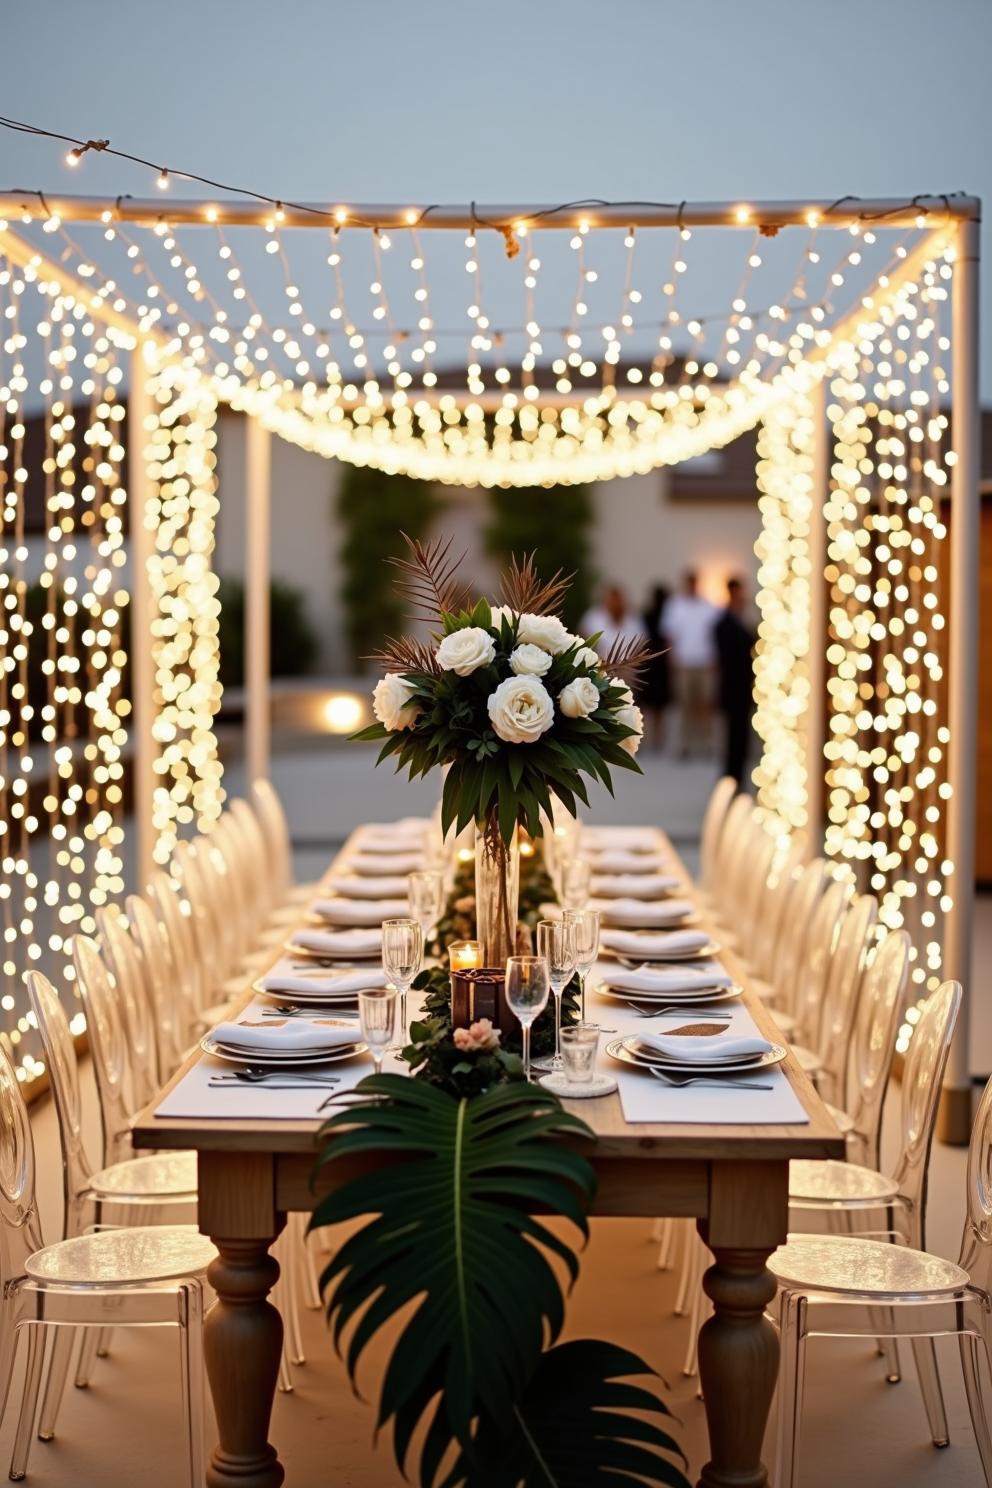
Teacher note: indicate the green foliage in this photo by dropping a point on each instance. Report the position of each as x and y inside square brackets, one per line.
[554, 523]
[453, 1248]
[374, 509]
[293, 642]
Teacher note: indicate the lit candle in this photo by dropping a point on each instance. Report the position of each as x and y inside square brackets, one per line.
[464, 955]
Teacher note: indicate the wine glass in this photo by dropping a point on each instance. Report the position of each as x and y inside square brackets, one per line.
[576, 880]
[527, 987]
[425, 896]
[377, 1015]
[402, 953]
[586, 923]
[556, 943]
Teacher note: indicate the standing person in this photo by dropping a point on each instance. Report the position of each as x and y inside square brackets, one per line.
[687, 624]
[613, 620]
[655, 693]
[735, 646]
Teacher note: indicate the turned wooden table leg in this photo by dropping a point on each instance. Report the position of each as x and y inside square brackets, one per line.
[242, 1335]
[738, 1347]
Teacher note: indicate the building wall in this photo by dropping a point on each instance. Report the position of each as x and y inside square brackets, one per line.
[642, 537]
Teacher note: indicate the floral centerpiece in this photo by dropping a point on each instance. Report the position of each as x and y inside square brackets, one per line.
[517, 708]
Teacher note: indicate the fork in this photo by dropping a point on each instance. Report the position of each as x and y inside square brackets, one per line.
[255, 1075]
[318, 1011]
[679, 1080]
[695, 1014]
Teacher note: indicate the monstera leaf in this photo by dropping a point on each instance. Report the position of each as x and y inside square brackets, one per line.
[449, 1188]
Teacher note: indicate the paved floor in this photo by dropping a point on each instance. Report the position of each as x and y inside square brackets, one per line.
[124, 1430]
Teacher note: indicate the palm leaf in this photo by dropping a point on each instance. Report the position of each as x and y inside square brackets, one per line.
[572, 1427]
[628, 657]
[406, 655]
[451, 1191]
[428, 578]
[523, 590]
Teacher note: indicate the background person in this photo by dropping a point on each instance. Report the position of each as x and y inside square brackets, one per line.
[655, 692]
[615, 619]
[735, 647]
[687, 623]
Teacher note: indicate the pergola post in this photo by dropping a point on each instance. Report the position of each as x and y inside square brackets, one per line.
[955, 1112]
[258, 470]
[816, 656]
[143, 745]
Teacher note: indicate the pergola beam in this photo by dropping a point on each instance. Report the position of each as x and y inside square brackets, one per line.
[247, 212]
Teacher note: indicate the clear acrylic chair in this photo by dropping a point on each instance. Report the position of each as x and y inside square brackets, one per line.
[713, 823]
[143, 1277]
[769, 924]
[172, 1038]
[731, 850]
[872, 1048]
[123, 960]
[848, 1287]
[825, 1061]
[791, 943]
[275, 828]
[814, 968]
[167, 902]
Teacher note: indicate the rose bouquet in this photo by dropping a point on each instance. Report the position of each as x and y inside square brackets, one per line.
[518, 708]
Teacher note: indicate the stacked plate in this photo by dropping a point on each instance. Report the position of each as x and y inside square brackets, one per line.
[336, 947]
[656, 946]
[332, 986]
[291, 1043]
[701, 1056]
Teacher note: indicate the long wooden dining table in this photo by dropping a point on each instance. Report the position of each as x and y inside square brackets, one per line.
[732, 1179]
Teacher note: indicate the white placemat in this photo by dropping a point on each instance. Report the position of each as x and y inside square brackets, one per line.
[646, 1099]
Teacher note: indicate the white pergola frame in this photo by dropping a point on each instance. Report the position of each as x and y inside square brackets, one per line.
[959, 213]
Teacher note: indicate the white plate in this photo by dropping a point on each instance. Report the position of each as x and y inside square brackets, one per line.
[630, 919]
[210, 1045]
[340, 960]
[669, 999]
[319, 999]
[619, 1049]
[712, 948]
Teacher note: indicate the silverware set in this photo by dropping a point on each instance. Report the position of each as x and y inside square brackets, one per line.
[719, 1081]
[696, 1015]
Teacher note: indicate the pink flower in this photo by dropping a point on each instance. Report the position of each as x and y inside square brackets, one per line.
[480, 1036]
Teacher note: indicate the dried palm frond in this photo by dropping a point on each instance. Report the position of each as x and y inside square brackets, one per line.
[406, 655]
[428, 577]
[522, 588]
[628, 657]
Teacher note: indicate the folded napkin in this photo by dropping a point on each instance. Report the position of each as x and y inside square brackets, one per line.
[359, 911]
[642, 913]
[401, 836]
[339, 942]
[295, 1036]
[640, 885]
[374, 864]
[632, 839]
[616, 860]
[695, 977]
[716, 1049]
[667, 943]
[368, 888]
[332, 983]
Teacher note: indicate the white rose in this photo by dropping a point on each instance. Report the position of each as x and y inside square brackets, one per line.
[501, 613]
[389, 702]
[464, 651]
[529, 661]
[628, 696]
[546, 631]
[579, 698]
[587, 657]
[521, 710]
[631, 717]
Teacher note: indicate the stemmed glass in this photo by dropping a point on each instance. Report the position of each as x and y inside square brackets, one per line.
[377, 1015]
[527, 987]
[576, 880]
[586, 923]
[402, 953]
[556, 943]
[425, 895]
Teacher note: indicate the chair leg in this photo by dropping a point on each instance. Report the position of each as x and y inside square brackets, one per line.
[58, 1368]
[311, 1279]
[29, 1401]
[103, 1342]
[291, 1298]
[970, 1364]
[684, 1297]
[925, 1355]
[666, 1244]
[191, 1366]
[698, 1300]
[87, 1353]
[888, 1346]
[791, 1378]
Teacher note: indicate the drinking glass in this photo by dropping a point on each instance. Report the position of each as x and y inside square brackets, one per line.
[556, 943]
[586, 922]
[576, 878]
[425, 894]
[579, 1043]
[527, 987]
[402, 953]
[377, 1015]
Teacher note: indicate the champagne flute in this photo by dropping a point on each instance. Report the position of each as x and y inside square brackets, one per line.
[576, 881]
[527, 987]
[556, 943]
[586, 923]
[425, 896]
[377, 1015]
[402, 953]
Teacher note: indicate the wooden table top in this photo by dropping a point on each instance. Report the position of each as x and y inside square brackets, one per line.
[616, 1137]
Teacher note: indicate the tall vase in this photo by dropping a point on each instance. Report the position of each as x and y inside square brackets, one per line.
[497, 891]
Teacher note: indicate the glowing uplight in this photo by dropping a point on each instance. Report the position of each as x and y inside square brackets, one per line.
[343, 712]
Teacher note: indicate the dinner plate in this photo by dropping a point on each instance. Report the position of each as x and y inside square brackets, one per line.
[270, 1061]
[712, 948]
[630, 919]
[342, 960]
[667, 999]
[320, 999]
[619, 1049]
